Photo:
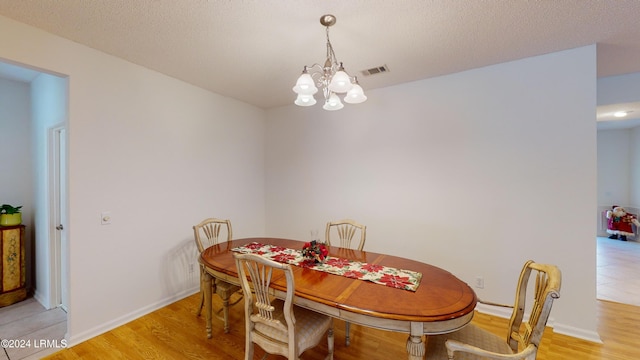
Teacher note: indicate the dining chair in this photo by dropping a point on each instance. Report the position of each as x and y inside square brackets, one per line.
[345, 230]
[210, 232]
[277, 326]
[522, 337]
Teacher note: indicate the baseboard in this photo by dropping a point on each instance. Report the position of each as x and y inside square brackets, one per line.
[505, 313]
[43, 300]
[498, 311]
[98, 330]
[577, 333]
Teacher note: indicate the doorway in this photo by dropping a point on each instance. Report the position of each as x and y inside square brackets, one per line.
[618, 145]
[44, 108]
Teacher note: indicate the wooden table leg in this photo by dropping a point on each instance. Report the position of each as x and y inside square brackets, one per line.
[207, 302]
[415, 345]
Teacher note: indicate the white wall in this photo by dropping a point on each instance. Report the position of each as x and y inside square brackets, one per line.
[634, 167]
[619, 89]
[617, 177]
[475, 172]
[15, 145]
[624, 144]
[614, 172]
[161, 155]
[16, 175]
[619, 150]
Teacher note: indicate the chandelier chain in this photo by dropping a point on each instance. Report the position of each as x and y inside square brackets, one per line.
[331, 56]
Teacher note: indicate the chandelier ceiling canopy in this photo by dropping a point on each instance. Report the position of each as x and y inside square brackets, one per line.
[330, 77]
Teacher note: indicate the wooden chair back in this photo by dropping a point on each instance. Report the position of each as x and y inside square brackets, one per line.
[265, 313]
[546, 289]
[345, 231]
[208, 232]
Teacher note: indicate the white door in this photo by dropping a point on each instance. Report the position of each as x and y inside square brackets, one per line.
[59, 218]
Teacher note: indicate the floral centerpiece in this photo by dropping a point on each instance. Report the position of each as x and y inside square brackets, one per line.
[315, 251]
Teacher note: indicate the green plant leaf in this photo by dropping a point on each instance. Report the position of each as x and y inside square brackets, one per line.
[8, 209]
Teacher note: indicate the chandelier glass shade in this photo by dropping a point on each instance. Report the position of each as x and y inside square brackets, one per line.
[330, 77]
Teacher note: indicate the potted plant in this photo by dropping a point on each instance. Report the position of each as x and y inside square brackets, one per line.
[10, 215]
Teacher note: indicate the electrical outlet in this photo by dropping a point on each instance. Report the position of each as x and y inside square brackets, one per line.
[479, 282]
[192, 268]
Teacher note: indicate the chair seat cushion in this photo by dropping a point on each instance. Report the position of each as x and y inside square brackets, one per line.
[471, 335]
[310, 327]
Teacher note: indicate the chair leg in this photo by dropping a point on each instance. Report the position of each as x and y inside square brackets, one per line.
[330, 342]
[347, 338]
[213, 285]
[201, 303]
[248, 348]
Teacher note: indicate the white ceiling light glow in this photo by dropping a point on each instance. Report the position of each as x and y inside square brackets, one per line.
[331, 77]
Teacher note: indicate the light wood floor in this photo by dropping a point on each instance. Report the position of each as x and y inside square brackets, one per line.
[175, 332]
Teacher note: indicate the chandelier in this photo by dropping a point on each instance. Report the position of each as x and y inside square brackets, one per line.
[331, 77]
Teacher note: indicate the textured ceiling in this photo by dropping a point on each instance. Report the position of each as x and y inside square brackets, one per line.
[253, 50]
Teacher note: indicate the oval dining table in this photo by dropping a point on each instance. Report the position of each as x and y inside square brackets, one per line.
[442, 303]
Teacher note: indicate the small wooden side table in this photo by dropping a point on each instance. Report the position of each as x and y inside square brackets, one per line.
[12, 265]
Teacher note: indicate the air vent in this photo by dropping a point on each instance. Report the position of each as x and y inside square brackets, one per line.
[375, 70]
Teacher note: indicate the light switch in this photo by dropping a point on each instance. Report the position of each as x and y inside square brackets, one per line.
[105, 218]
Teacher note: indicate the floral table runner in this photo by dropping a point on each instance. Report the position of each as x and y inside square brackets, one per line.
[396, 278]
